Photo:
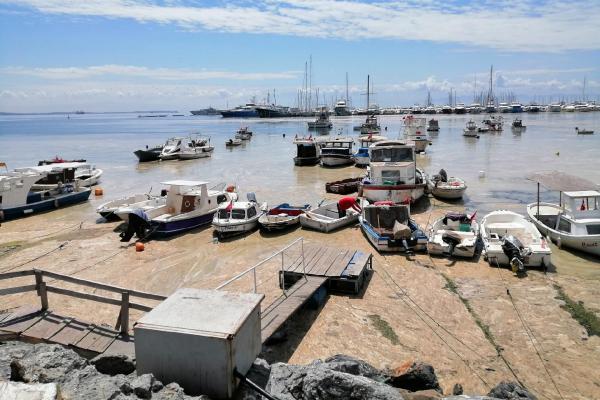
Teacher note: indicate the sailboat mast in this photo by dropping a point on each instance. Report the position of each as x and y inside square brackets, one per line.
[347, 98]
[368, 90]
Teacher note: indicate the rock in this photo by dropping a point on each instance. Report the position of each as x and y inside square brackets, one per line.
[415, 376]
[317, 382]
[463, 397]
[113, 364]
[10, 351]
[173, 391]
[23, 391]
[90, 384]
[46, 363]
[142, 386]
[354, 366]
[259, 372]
[429, 394]
[457, 390]
[510, 391]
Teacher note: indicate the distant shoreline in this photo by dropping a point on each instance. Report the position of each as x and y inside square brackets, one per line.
[91, 112]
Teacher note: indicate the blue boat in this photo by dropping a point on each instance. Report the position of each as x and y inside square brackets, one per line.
[246, 111]
[17, 200]
[388, 227]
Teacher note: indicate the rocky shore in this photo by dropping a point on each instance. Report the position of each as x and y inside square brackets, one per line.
[52, 372]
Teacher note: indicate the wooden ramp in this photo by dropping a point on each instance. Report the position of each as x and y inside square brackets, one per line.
[31, 324]
[274, 315]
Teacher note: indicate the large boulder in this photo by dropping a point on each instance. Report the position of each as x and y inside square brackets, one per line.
[24, 391]
[511, 391]
[46, 363]
[89, 384]
[415, 376]
[10, 351]
[354, 366]
[113, 364]
[316, 382]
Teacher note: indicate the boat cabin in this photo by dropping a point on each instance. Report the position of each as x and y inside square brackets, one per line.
[392, 163]
[15, 188]
[581, 213]
[53, 174]
[241, 210]
[341, 146]
[186, 196]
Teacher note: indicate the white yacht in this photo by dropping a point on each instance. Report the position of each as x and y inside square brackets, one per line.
[53, 174]
[415, 131]
[471, 130]
[336, 151]
[199, 148]
[172, 148]
[555, 107]
[504, 108]
[341, 108]
[392, 173]
[237, 217]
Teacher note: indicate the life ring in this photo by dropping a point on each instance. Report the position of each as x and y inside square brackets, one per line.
[187, 204]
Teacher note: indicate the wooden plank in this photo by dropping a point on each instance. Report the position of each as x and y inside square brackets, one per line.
[310, 251]
[46, 327]
[123, 344]
[285, 306]
[95, 297]
[326, 262]
[359, 262]
[97, 340]
[313, 266]
[340, 263]
[71, 333]
[21, 319]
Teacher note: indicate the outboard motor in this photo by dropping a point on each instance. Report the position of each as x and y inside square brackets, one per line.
[443, 175]
[137, 225]
[516, 253]
[452, 239]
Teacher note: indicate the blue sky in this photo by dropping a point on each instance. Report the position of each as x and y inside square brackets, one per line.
[101, 55]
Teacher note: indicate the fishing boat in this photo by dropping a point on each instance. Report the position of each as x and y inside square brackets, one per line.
[471, 130]
[584, 131]
[233, 142]
[494, 123]
[336, 151]
[172, 148]
[199, 148]
[575, 221]
[244, 133]
[282, 217]
[447, 188]
[455, 235]
[326, 218]
[510, 239]
[361, 157]
[341, 108]
[393, 174]
[344, 186]
[18, 200]
[416, 133]
[370, 126]
[149, 153]
[322, 121]
[388, 227]
[187, 205]
[237, 217]
[433, 125]
[109, 209]
[307, 151]
[64, 172]
[517, 125]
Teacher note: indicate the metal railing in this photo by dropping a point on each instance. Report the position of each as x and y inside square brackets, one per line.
[272, 256]
[42, 289]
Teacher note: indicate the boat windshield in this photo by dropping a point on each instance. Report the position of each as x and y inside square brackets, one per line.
[392, 155]
[238, 213]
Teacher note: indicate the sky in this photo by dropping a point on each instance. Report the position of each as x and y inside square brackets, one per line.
[127, 55]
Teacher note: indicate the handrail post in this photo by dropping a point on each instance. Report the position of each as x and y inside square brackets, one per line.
[303, 262]
[124, 314]
[43, 296]
[254, 270]
[282, 275]
[39, 278]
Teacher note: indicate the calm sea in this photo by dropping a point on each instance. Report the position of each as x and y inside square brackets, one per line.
[265, 166]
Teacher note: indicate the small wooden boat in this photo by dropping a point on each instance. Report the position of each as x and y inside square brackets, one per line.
[149, 154]
[455, 234]
[326, 218]
[584, 131]
[444, 187]
[510, 239]
[237, 217]
[233, 142]
[388, 227]
[281, 217]
[345, 186]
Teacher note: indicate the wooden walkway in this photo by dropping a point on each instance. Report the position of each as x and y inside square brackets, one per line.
[31, 324]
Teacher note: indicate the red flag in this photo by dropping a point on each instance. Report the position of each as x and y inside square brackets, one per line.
[230, 206]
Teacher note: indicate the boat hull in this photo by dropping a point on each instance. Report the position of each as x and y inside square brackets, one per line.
[395, 193]
[312, 220]
[147, 156]
[273, 223]
[173, 227]
[335, 160]
[387, 244]
[239, 114]
[45, 205]
[232, 229]
[306, 160]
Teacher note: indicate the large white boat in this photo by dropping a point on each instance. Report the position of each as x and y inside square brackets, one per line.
[199, 148]
[238, 217]
[341, 108]
[555, 107]
[510, 239]
[392, 173]
[504, 108]
[575, 221]
[64, 172]
[336, 151]
[415, 132]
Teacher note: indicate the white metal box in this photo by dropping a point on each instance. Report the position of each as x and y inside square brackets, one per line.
[198, 337]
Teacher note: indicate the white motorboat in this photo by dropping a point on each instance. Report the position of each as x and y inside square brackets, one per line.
[568, 108]
[504, 108]
[455, 235]
[18, 200]
[392, 173]
[584, 131]
[233, 142]
[415, 132]
[282, 217]
[64, 172]
[388, 227]
[237, 217]
[326, 218]
[336, 151]
[575, 221]
[244, 133]
[171, 148]
[361, 157]
[555, 107]
[370, 126]
[322, 121]
[444, 187]
[199, 148]
[471, 130]
[510, 239]
[187, 205]
[433, 125]
[460, 109]
[109, 209]
[494, 123]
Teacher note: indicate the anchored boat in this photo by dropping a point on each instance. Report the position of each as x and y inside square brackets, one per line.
[455, 234]
[237, 217]
[336, 151]
[361, 157]
[327, 218]
[444, 187]
[415, 132]
[282, 217]
[307, 151]
[64, 172]
[322, 121]
[109, 210]
[149, 154]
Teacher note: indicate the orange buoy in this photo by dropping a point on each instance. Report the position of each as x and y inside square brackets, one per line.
[230, 189]
[139, 246]
[98, 191]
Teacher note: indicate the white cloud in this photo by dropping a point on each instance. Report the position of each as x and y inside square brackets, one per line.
[527, 25]
[174, 74]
